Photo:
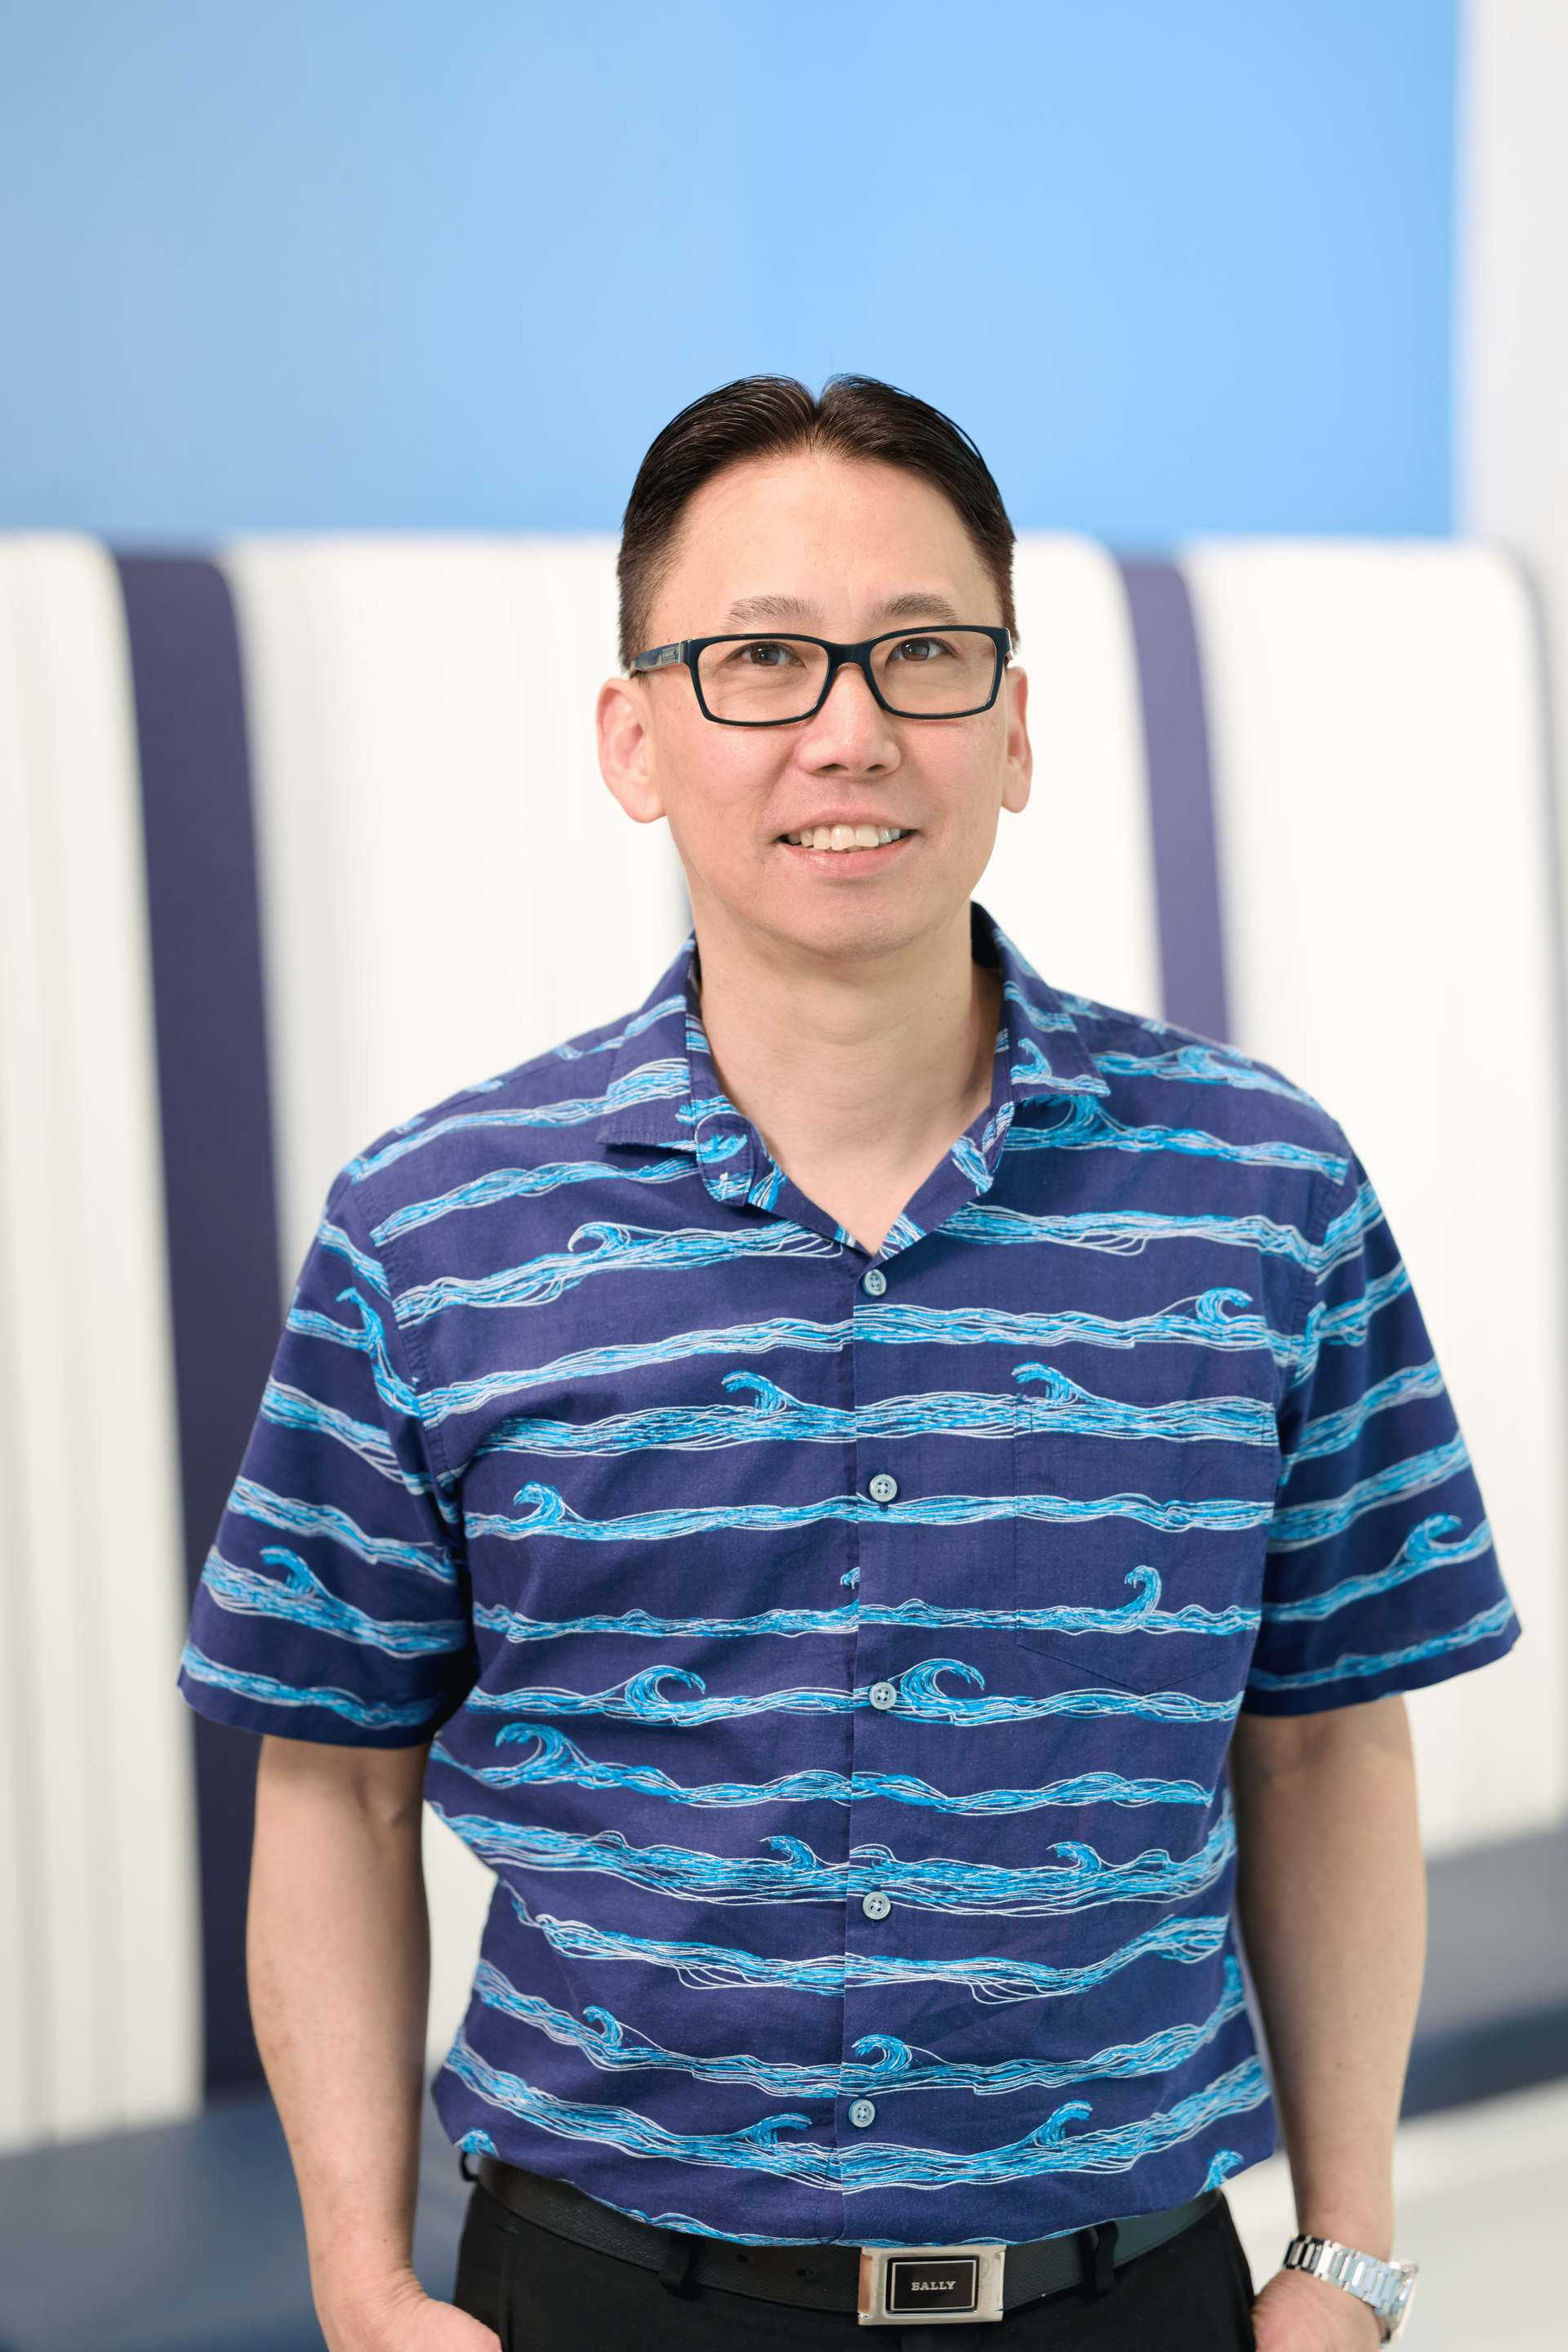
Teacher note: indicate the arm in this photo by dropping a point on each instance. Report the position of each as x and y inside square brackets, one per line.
[338, 1959]
[1331, 1893]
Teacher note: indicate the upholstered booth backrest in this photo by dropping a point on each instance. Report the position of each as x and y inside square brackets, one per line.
[298, 840]
[1389, 882]
[446, 887]
[100, 1959]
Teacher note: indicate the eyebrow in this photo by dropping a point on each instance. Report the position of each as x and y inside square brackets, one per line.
[916, 605]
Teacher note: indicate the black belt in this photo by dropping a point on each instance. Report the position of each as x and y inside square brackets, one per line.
[820, 2277]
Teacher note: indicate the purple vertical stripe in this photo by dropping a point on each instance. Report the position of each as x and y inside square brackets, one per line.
[1181, 798]
[217, 1153]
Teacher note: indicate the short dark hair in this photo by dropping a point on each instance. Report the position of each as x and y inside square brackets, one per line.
[765, 415]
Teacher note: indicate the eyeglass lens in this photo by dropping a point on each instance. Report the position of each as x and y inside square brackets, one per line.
[771, 681]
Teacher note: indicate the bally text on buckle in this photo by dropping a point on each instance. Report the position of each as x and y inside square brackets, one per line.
[935, 2285]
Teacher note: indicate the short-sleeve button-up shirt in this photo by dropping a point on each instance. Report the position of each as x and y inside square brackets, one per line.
[835, 1658]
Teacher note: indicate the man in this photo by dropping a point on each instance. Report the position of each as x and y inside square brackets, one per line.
[824, 1459]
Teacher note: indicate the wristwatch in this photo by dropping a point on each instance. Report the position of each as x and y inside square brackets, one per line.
[1387, 2288]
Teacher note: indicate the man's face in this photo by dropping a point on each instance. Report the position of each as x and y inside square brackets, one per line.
[822, 547]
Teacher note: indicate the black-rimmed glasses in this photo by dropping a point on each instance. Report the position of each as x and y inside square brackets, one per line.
[768, 681]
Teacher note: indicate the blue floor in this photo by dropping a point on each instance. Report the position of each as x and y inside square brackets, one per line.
[185, 2239]
[188, 2239]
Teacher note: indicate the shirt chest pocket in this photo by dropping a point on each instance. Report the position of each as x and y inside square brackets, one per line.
[1138, 1562]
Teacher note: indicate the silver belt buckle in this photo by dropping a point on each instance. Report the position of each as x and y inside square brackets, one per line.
[930, 2286]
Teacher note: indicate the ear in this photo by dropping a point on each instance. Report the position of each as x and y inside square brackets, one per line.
[625, 752]
[1020, 767]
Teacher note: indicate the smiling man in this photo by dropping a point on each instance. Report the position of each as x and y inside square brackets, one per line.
[886, 1502]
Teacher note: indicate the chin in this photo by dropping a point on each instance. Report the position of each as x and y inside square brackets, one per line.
[853, 929]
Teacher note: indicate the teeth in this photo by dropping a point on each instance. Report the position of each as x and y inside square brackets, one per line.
[845, 836]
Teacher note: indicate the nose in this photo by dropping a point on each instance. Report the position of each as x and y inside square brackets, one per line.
[851, 731]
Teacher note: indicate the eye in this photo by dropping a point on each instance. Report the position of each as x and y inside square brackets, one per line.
[762, 653]
[920, 650]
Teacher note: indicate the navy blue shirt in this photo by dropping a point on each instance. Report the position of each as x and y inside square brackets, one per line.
[835, 1655]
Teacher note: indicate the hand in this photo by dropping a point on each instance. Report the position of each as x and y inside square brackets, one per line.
[405, 2319]
[1297, 2314]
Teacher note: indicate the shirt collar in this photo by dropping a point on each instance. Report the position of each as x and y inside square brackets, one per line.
[664, 1094]
[1046, 1056]
[647, 1095]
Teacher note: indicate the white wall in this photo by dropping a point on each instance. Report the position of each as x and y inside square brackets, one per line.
[1511, 373]
[1511, 352]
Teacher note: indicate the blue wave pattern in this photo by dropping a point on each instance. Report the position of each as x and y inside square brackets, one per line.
[1437, 1543]
[790, 1871]
[296, 1596]
[987, 1977]
[1141, 1614]
[1337, 1430]
[289, 1408]
[640, 1024]
[557, 1758]
[499, 1186]
[1090, 1127]
[307, 1519]
[773, 1416]
[886, 2064]
[1486, 1625]
[566, 1466]
[1129, 1232]
[607, 1249]
[645, 1698]
[546, 1513]
[1309, 1523]
[856, 2167]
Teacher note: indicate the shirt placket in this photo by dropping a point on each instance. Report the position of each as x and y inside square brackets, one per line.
[877, 1927]
[871, 1919]
[739, 1172]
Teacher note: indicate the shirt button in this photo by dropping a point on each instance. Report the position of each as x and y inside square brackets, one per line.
[862, 2115]
[873, 1282]
[883, 1486]
[876, 1905]
[883, 1696]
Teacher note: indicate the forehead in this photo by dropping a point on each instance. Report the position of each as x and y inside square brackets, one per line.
[825, 533]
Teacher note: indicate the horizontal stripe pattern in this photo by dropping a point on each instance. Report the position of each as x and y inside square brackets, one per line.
[574, 1459]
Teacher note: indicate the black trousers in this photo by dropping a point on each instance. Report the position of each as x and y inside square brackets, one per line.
[542, 2293]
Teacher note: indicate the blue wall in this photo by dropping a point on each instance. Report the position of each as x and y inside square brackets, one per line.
[1179, 265]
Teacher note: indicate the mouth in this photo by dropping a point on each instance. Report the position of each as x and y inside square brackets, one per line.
[844, 840]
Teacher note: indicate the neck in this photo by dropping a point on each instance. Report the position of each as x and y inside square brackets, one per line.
[860, 1074]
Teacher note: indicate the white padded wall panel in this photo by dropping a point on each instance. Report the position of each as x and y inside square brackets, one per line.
[101, 2012]
[1375, 714]
[446, 887]
[1511, 360]
[1072, 879]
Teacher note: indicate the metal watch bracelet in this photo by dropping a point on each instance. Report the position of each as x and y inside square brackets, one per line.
[1388, 2289]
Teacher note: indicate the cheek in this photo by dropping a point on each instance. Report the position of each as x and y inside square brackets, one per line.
[969, 779]
[706, 770]
[718, 802]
